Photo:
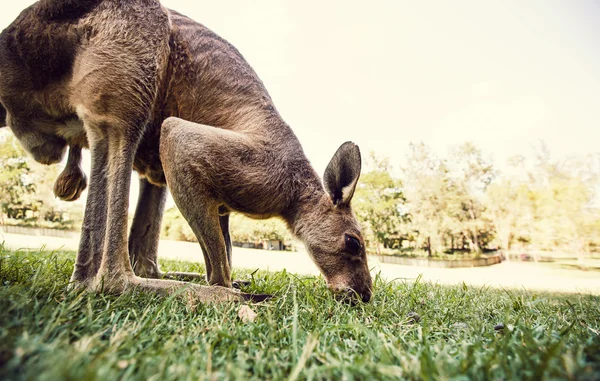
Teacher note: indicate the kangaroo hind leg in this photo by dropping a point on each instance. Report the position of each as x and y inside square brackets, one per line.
[198, 161]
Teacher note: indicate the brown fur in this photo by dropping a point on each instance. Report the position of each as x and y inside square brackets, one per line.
[104, 74]
[72, 180]
[210, 170]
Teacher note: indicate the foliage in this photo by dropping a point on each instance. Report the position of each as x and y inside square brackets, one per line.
[547, 204]
[50, 333]
[427, 184]
[26, 195]
[470, 175]
[378, 202]
[458, 203]
[16, 186]
[463, 203]
[73, 223]
[175, 227]
[242, 229]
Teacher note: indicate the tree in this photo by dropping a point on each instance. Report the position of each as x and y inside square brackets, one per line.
[546, 204]
[470, 175]
[566, 192]
[26, 186]
[175, 227]
[505, 201]
[379, 203]
[426, 181]
[245, 229]
[16, 186]
[241, 228]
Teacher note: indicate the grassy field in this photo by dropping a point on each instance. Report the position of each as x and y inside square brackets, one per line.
[412, 330]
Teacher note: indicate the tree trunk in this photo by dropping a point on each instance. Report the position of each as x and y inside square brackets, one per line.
[506, 244]
[429, 247]
[475, 239]
[581, 249]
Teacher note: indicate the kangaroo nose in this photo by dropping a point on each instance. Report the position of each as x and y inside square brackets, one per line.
[352, 296]
[366, 297]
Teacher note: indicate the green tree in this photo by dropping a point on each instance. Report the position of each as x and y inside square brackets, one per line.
[17, 189]
[546, 204]
[245, 229]
[26, 186]
[470, 175]
[241, 228]
[175, 227]
[379, 204]
[566, 191]
[427, 183]
[506, 202]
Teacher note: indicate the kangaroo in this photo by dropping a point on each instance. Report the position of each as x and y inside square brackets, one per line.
[105, 75]
[259, 169]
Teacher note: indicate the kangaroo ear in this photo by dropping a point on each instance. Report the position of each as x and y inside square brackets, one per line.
[342, 173]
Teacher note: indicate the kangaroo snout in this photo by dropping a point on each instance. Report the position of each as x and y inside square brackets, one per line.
[352, 295]
[349, 280]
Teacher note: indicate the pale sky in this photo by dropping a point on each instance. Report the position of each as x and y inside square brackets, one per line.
[503, 74]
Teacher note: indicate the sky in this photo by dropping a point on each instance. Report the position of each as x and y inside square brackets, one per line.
[502, 74]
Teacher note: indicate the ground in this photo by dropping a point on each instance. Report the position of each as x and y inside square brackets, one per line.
[514, 275]
[412, 329]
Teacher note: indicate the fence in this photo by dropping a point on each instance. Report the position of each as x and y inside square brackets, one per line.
[441, 263]
[38, 231]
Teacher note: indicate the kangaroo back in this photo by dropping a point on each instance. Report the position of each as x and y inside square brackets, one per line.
[65, 10]
[43, 40]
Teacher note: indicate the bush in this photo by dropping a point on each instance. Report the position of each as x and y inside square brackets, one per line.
[175, 227]
[242, 228]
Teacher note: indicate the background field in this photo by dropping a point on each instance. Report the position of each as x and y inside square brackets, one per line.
[510, 275]
[47, 333]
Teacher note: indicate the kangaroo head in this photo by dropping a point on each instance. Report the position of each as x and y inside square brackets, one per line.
[332, 233]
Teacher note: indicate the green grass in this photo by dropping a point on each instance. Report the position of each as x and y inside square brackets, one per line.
[48, 333]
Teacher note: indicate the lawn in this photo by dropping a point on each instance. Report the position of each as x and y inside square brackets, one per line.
[411, 330]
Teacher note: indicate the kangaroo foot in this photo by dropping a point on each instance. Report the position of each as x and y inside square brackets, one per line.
[183, 276]
[201, 294]
[190, 277]
[191, 291]
[196, 292]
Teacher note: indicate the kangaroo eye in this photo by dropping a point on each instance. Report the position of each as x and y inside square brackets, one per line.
[352, 244]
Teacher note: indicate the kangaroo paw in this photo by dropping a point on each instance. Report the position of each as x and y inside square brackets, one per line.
[70, 184]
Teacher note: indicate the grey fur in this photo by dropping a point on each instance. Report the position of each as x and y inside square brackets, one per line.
[105, 74]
